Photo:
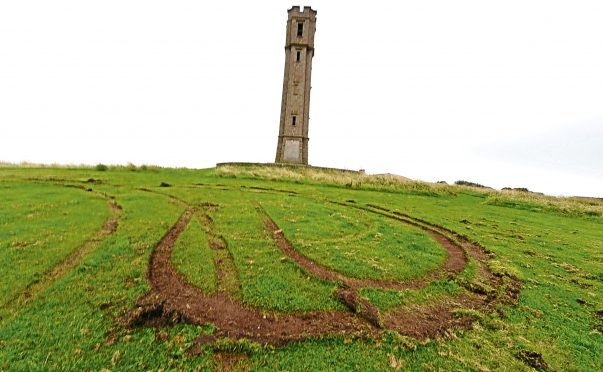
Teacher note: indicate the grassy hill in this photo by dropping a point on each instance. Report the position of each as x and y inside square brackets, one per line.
[251, 267]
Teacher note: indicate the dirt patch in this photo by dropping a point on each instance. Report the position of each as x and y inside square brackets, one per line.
[172, 299]
[227, 277]
[209, 207]
[350, 298]
[436, 319]
[151, 312]
[217, 242]
[454, 264]
[532, 359]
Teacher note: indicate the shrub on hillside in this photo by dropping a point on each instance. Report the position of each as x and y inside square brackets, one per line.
[520, 189]
[467, 183]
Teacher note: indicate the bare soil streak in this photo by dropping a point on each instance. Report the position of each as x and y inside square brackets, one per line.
[54, 273]
[173, 299]
[361, 306]
[227, 279]
[454, 264]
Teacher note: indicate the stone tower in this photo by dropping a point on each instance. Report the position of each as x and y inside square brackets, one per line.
[295, 107]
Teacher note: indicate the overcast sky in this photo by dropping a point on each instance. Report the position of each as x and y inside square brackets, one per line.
[505, 93]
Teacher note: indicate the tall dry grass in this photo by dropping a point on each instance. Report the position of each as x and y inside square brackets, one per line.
[357, 180]
[540, 202]
[26, 164]
[354, 180]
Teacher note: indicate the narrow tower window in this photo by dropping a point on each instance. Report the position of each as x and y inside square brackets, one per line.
[298, 57]
[300, 29]
[293, 120]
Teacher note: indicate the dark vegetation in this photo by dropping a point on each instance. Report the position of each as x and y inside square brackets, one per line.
[471, 184]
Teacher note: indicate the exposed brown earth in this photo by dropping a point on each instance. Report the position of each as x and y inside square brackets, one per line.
[361, 306]
[454, 264]
[227, 280]
[173, 299]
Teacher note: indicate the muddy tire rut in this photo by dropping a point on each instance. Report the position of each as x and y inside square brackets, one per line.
[173, 299]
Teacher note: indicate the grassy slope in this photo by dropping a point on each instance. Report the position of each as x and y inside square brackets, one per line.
[40, 225]
[556, 250]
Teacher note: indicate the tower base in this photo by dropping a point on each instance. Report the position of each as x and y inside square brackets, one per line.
[292, 150]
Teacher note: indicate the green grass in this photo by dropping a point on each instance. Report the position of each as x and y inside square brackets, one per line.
[354, 242]
[269, 279]
[388, 299]
[40, 224]
[193, 257]
[554, 245]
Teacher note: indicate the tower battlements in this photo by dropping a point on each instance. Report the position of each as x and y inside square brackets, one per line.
[297, 23]
[296, 9]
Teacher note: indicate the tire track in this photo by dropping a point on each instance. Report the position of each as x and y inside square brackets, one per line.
[172, 299]
[33, 290]
[455, 262]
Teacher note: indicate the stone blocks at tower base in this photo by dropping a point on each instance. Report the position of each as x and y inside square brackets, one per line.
[292, 150]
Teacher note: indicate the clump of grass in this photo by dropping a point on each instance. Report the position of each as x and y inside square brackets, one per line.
[521, 189]
[101, 167]
[503, 269]
[471, 313]
[237, 346]
[151, 168]
[401, 341]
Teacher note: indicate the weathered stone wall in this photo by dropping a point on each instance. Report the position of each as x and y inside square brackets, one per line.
[295, 106]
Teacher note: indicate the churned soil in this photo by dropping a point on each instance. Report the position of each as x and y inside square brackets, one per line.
[227, 280]
[172, 299]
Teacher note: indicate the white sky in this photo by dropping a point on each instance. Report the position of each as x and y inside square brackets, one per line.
[505, 93]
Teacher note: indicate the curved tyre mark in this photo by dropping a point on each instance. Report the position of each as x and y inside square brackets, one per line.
[69, 263]
[173, 299]
[454, 264]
